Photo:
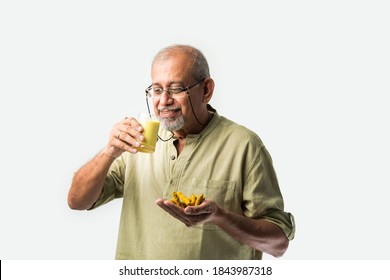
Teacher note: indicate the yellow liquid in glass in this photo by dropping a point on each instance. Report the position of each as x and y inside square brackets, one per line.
[151, 133]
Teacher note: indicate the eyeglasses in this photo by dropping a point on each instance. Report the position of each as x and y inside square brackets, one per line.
[173, 92]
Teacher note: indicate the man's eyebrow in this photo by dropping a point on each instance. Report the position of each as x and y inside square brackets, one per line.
[170, 83]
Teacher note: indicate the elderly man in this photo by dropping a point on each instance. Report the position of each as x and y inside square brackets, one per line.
[199, 152]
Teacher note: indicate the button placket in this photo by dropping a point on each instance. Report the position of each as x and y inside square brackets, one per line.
[172, 162]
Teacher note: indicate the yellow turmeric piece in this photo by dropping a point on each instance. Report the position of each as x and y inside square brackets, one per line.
[175, 199]
[199, 199]
[192, 199]
[181, 200]
[185, 200]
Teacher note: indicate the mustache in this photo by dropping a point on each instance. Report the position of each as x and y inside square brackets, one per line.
[169, 108]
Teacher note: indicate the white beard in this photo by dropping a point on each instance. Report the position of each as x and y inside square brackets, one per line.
[172, 124]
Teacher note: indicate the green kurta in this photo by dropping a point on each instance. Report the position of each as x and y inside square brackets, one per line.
[226, 162]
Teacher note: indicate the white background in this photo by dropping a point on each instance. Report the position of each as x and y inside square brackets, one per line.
[310, 77]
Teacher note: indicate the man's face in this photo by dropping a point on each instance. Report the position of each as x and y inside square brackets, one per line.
[175, 113]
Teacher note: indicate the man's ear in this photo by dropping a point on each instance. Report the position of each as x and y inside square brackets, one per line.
[208, 89]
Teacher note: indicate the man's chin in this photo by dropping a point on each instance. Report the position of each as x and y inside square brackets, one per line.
[172, 125]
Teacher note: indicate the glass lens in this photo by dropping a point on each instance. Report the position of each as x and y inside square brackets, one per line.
[173, 92]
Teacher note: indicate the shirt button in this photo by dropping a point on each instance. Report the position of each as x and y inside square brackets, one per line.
[173, 157]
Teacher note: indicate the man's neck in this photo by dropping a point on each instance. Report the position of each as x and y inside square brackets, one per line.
[182, 134]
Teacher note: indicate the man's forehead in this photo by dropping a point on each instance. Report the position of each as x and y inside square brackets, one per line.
[173, 71]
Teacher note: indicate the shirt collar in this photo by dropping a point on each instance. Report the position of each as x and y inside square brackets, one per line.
[209, 127]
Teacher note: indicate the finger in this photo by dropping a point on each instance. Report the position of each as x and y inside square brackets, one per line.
[134, 141]
[129, 125]
[121, 140]
[203, 208]
[128, 130]
[178, 212]
[124, 138]
[124, 146]
[133, 123]
[169, 206]
[173, 210]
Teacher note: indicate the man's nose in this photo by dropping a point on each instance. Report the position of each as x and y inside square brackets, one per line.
[166, 98]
